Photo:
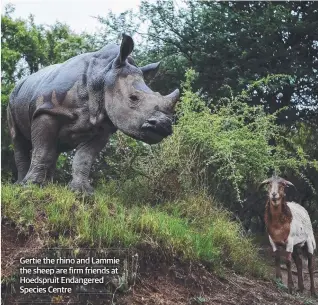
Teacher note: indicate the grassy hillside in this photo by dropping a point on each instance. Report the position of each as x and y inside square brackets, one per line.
[193, 228]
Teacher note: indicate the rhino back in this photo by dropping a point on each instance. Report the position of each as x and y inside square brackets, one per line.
[58, 79]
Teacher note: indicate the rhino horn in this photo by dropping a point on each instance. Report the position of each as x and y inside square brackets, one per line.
[173, 98]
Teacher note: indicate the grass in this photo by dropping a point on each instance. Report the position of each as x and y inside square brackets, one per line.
[191, 228]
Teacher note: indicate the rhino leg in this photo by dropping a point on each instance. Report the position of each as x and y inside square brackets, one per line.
[22, 148]
[84, 157]
[44, 132]
[22, 152]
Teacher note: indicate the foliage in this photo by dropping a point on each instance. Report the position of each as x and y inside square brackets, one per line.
[224, 152]
[232, 43]
[109, 221]
[248, 111]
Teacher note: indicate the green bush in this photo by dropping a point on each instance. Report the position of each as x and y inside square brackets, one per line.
[222, 149]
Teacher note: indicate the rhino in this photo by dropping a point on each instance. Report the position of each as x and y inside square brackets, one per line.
[78, 105]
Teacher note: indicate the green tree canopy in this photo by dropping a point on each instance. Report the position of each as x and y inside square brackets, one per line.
[234, 44]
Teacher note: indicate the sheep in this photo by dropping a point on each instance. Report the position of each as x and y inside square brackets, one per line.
[288, 224]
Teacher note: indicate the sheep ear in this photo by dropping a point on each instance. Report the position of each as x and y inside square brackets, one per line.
[265, 182]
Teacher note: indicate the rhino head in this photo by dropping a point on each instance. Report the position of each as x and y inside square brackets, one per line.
[130, 104]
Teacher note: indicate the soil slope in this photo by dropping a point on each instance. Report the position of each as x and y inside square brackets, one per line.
[174, 283]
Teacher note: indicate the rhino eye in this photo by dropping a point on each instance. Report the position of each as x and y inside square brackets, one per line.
[133, 98]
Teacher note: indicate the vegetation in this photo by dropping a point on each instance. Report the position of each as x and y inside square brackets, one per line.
[248, 109]
[233, 44]
[263, 50]
[223, 150]
[193, 228]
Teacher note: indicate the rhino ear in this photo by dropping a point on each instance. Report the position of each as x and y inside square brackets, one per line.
[150, 71]
[126, 47]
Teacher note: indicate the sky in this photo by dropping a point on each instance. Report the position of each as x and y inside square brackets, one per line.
[78, 14]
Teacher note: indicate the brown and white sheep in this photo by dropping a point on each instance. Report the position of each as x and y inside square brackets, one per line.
[288, 225]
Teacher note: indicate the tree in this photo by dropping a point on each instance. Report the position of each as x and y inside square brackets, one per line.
[233, 44]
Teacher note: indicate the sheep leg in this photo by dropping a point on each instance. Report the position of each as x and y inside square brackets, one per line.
[289, 272]
[299, 264]
[277, 265]
[311, 264]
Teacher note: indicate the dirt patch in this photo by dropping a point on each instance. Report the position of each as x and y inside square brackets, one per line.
[165, 281]
[199, 286]
[14, 245]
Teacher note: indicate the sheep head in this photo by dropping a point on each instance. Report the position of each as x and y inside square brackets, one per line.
[276, 189]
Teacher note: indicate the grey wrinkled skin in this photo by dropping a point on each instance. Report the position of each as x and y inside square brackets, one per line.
[77, 105]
